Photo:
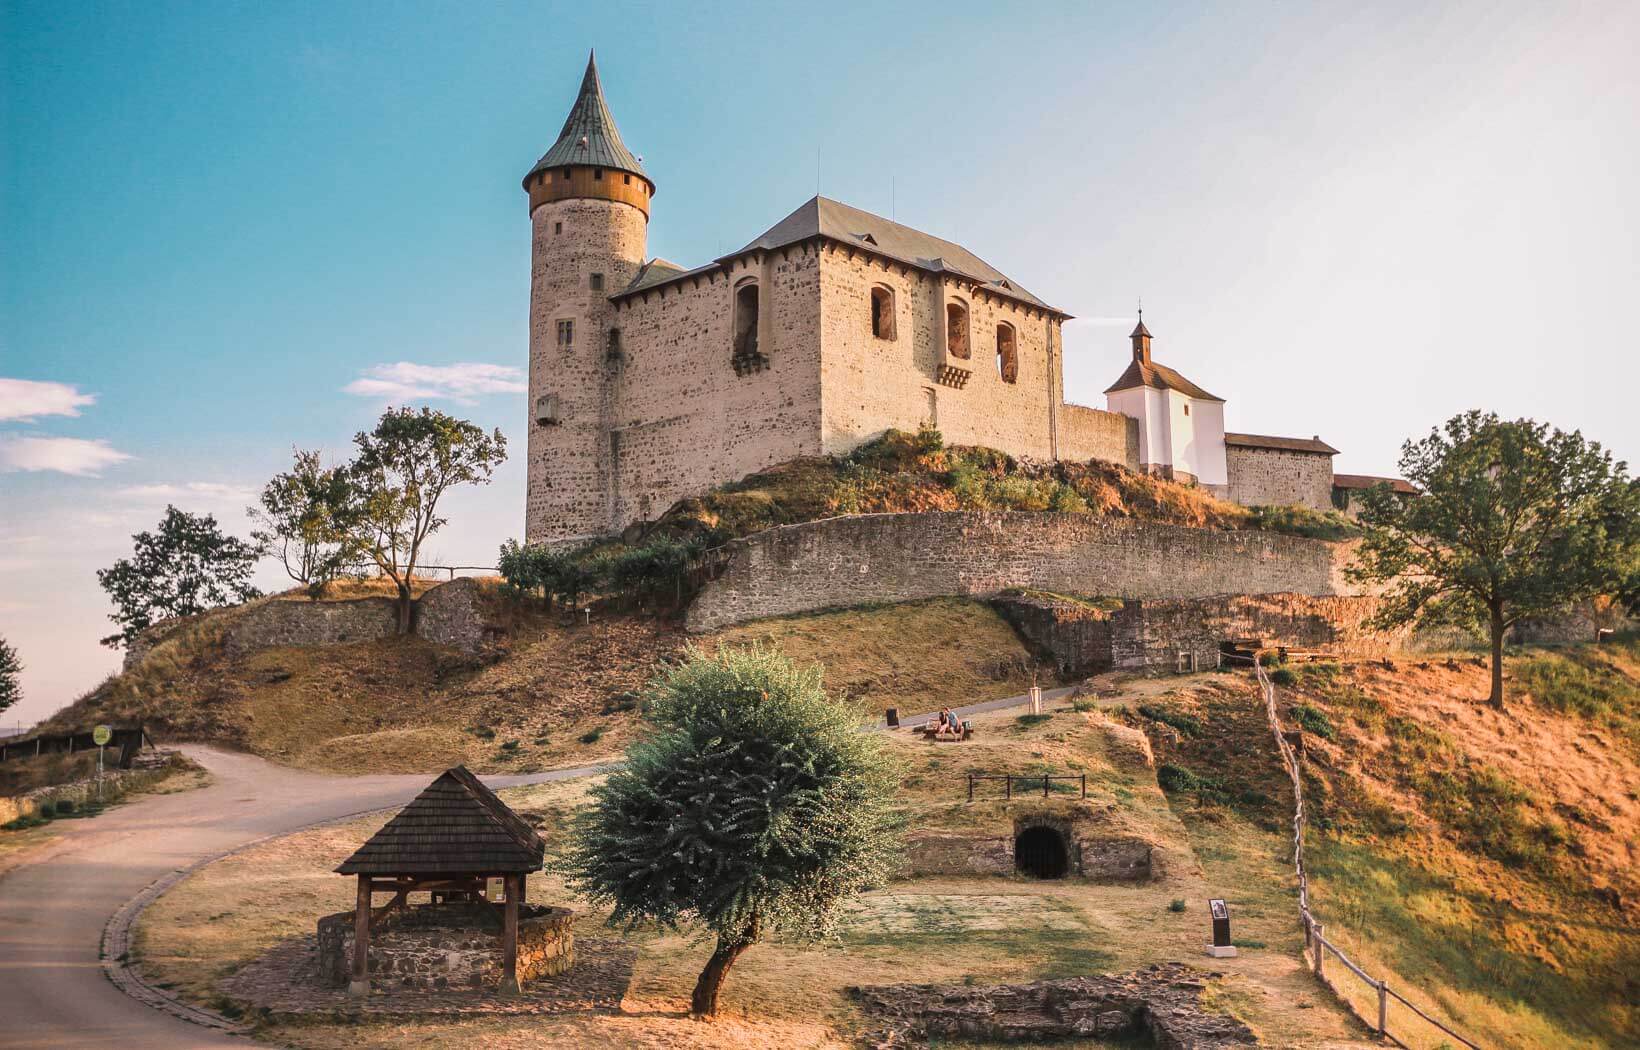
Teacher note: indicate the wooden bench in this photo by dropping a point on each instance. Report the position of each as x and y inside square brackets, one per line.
[931, 731]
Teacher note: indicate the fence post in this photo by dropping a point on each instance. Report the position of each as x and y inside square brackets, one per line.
[1383, 1007]
[1044, 785]
[1084, 785]
[970, 787]
[1320, 948]
[1008, 786]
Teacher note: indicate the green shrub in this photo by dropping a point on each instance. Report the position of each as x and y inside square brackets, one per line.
[1302, 521]
[1283, 676]
[482, 732]
[511, 745]
[1084, 705]
[1186, 724]
[1176, 905]
[592, 736]
[1034, 720]
[1314, 720]
[622, 702]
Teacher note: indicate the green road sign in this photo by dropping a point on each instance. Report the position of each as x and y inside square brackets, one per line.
[102, 735]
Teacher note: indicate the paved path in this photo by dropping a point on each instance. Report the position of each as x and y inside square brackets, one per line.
[56, 903]
[53, 907]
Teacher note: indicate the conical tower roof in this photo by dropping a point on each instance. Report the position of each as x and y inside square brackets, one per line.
[589, 136]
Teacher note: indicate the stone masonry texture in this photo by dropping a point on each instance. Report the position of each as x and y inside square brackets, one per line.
[1277, 477]
[850, 561]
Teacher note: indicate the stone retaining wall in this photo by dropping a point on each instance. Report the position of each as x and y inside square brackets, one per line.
[1094, 850]
[856, 560]
[115, 782]
[1074, 636]
[1153, 633]
[447, 945]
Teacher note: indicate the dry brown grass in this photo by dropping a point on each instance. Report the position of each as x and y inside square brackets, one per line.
[937, 930]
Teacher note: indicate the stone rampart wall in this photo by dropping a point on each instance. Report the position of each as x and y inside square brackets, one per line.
[1152, 634]
[282, 622]
[850, 561]
[1278, 477]
[1088, 433]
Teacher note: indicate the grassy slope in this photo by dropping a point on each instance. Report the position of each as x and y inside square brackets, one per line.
[927, 929]
[1484, 862]
[557, 695]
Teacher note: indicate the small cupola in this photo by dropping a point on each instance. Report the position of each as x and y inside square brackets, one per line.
[1141, 340]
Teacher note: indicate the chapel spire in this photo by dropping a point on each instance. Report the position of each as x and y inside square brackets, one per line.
[1141, 339]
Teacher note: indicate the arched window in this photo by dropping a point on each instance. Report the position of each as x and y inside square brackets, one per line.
[956, 330]
[746, 308]
[1007, 354]
[882, 312]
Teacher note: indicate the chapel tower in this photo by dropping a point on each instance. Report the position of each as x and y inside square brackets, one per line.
[589, 216]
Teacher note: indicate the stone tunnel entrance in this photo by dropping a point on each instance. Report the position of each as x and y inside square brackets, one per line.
[1040, 852]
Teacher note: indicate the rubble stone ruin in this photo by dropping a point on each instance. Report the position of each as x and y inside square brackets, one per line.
[452, 842]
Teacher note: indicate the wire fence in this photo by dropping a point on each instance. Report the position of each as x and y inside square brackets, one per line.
[1314, 939]
[449, 572]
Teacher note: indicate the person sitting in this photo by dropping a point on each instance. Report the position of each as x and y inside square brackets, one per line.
[949, 723]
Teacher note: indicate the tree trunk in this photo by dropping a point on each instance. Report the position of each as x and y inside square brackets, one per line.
[1496, 698]
[704, 1002]
[406, 608]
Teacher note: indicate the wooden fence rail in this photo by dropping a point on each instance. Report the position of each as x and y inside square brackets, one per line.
[1313, 931]
[1024, 779]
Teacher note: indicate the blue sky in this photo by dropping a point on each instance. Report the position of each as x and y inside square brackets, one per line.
[217, 219]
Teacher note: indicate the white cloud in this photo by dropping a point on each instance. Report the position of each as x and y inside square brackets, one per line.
[464, 382]
[205, 490]
[26, 399]
[64, 455]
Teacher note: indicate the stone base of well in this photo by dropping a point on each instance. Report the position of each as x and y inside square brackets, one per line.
[447, 945]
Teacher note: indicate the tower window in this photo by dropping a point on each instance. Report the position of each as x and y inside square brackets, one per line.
[627, 179]
[557, 228]
[566, 333]
[956, 330]
[1187, 410]
[597, 282]
[1007, 354]
[566, 173]
[882, 312]
[597, 173]
[746, 308]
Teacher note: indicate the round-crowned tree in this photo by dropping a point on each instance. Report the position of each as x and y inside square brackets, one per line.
[755, 809]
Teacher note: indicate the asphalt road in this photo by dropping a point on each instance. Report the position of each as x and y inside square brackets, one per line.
[54, 906]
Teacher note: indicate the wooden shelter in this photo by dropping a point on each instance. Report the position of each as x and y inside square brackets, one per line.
[448, 841]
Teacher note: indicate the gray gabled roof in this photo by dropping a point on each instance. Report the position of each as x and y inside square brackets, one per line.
[1285, 444]
[823, 217]
[589, 135]
[456, 826]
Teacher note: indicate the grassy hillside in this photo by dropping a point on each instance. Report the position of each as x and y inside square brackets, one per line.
[1484, 861]
[556, 693]
[903, 472]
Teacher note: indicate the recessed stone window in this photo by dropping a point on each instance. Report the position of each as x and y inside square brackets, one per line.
[1007, 354]
[597, 282]
[956, 330]
[566, 333]
[882, 312]
[557, 228]
[746, 356]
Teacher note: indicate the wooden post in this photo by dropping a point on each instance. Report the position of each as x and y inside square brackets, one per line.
[1320, 948]
[1044, 785]
[1008, 786]
[509, 936]
[970, 787]
[360, 985]
[1084, 785]
[1383, 1008]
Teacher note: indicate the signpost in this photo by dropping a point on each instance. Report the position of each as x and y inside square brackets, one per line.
[1221, 948]
[101, 736]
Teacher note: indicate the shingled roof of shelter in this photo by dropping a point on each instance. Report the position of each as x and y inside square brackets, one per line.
[823, 217]
[1285, 444]
[1159, 377]
[589, 135]
[456, 826]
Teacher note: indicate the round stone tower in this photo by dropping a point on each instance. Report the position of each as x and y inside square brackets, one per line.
[589, 218]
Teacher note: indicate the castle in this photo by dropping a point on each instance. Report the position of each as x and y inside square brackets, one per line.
[650, 382]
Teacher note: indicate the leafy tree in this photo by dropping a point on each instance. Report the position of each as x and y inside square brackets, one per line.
[756, 808]
[402, 469]
[303, 519]
[1514, 520]
[11, 690]
[186, 567]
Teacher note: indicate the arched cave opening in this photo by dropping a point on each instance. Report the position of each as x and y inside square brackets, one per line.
[1040, 853]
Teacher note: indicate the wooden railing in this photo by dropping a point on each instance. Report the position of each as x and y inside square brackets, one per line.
[1026, 781]
[1314, 940]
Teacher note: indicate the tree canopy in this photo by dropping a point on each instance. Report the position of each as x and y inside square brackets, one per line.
[757, 808]
[302, 516]
[11, 669]
[186, 567]
[1513, 520]
[403, 467]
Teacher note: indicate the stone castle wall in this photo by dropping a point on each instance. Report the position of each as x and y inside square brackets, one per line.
[1090, 433]
[1277, 477]
[850, 561]
[1152, 634]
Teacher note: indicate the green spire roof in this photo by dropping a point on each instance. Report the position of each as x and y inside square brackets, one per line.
[589, 136]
